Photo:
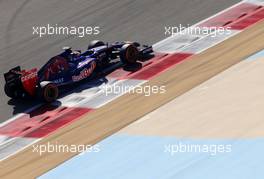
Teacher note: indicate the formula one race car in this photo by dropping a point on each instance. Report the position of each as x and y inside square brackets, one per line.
[69, 67]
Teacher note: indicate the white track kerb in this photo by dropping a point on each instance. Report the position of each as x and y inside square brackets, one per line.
[93, 97]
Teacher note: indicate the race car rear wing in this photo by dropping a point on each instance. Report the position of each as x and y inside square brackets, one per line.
[13, 74]
[25, 80]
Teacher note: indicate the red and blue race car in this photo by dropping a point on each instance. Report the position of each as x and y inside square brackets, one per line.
[71, 66]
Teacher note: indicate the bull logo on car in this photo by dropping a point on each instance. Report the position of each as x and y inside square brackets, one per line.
[85, 72]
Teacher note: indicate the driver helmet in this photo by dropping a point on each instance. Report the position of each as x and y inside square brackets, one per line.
[75, 54]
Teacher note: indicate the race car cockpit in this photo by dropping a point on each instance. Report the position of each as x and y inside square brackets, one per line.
[70, 55]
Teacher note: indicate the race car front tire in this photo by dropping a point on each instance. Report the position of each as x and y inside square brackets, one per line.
[48, 92]
[129, 54]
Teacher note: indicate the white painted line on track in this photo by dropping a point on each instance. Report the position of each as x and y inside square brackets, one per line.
[201, 22]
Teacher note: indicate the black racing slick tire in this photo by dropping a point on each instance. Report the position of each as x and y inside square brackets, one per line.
[95, 43]
[48, 92]
[129, 54]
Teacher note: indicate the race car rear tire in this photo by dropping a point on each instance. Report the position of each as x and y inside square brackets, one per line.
[95, 43]
[48, 92]
[129, 54]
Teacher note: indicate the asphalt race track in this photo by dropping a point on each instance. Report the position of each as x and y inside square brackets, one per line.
[182, 63]
[142, 21]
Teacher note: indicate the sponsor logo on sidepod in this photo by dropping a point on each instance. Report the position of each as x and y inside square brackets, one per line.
[85, 72]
